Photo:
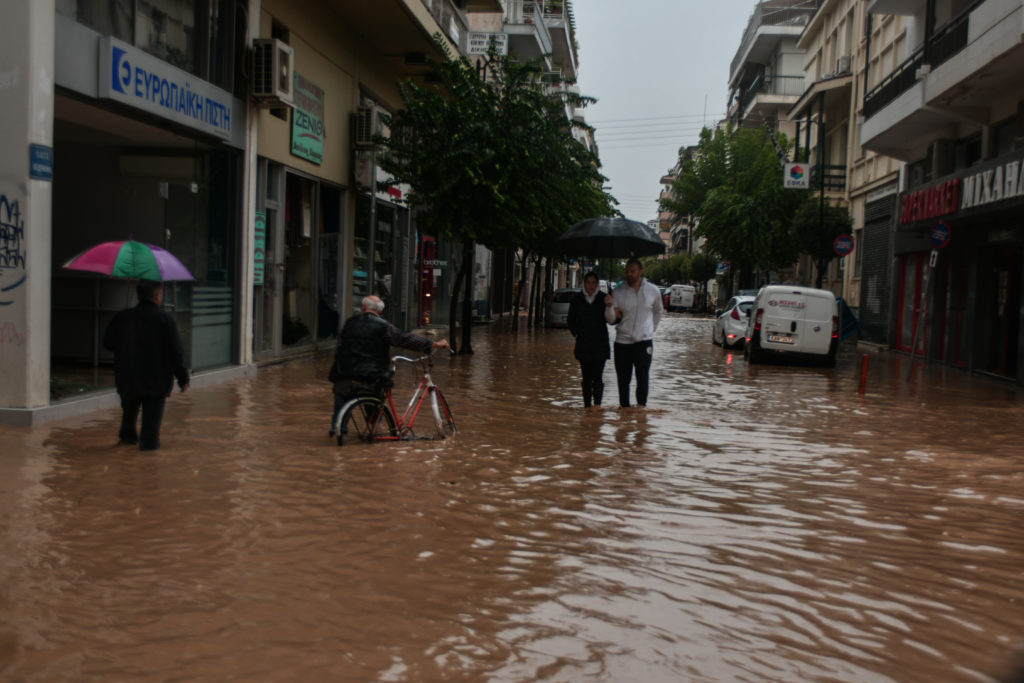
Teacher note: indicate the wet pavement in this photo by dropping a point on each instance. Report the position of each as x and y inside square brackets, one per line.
[752, 524]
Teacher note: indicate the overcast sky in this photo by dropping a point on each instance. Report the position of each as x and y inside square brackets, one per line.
[659, 70]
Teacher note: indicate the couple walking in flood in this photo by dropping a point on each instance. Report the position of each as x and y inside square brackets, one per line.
[635, 309]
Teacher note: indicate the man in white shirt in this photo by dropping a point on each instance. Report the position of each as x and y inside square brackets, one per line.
[635, 310]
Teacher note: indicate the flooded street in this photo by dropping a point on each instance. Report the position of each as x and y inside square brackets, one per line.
[753, 524]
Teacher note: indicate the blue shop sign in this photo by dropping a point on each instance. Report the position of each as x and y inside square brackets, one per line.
[138, 79]
[40, 162]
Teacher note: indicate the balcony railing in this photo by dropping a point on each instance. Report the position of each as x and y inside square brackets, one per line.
[834, 176]
[948, 40]
[772, 85]
[449, 17]
[775, 13]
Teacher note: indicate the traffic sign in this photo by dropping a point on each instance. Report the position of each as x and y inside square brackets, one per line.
[940, 234]
[842, 245]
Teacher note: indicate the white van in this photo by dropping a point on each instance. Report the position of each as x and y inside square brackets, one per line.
[680, 297]
[799, 322]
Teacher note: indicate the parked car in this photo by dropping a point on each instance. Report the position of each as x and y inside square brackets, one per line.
[793, 322]
[681, 297]
[730, 327]
[558, 307]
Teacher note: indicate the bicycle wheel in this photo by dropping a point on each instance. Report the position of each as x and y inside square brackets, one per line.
[443, 420]
[365, 419]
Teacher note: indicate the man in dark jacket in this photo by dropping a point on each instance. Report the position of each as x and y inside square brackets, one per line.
[362, 357]
[587, 323]
[147, 358]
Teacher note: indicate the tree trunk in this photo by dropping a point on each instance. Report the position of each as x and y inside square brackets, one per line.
[821, 272]
[518, 292]
[453, 306]
[468, 252]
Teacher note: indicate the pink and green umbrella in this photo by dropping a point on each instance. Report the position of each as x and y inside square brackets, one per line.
[131, 259]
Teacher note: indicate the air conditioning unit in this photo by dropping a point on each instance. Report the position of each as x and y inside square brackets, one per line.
[843, 65]
[364, 127]
[273, 81]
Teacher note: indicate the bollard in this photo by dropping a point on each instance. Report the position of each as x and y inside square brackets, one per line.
[863, 374]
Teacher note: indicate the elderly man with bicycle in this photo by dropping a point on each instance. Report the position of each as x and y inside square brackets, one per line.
[362, 362]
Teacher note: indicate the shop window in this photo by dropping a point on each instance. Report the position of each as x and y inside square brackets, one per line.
[197, 36]
[1005, 137]
[967, 152]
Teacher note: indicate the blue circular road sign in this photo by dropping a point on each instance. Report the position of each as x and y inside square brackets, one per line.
[940, 235]
[842, 245]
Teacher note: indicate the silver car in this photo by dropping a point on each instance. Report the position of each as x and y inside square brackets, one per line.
[558, 307]
[731, 324]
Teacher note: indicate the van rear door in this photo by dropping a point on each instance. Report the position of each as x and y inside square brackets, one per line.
[816, 329]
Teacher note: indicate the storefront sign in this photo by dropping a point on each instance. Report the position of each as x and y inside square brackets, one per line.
[939, 200]
[133, 77]
[993, 185]
[478, 43]
[259, 254]
[795, 177]
[996, 181]
[308, 121]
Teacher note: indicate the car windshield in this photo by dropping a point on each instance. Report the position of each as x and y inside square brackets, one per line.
[564, 296]
[745, 306]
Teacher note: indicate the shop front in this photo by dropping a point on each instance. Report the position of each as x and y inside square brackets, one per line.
[144, 150]
[959, 247]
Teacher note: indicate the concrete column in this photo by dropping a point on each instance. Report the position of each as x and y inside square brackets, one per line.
[26, 118]
[250, 183]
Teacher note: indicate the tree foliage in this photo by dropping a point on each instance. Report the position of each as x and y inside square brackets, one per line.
[815, 227]
[732, 184]
[490, 157]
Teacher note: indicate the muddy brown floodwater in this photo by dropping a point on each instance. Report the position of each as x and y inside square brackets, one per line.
[753, 524]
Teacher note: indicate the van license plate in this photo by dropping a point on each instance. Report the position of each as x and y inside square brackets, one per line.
[780, 339]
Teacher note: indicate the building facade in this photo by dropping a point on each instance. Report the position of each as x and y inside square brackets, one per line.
[160, 120]
[946, 101]
[864, 182]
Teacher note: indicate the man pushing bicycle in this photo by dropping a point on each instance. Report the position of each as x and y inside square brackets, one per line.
[362, 358]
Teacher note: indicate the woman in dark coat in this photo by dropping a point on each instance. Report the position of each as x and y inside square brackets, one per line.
[587, 324]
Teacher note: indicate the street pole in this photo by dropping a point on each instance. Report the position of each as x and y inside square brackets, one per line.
[922, 313]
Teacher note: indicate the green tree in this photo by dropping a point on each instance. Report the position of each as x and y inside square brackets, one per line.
[815, 227]
[490, 159]
[732, 184]
[702, 269]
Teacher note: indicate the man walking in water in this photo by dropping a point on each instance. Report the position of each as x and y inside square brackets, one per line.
[635, 309]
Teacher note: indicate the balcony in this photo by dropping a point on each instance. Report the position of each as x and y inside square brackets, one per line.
[767, 98]
[958, 75]
[833, 175]
[771, 21]
[542, 27]
[400, 29]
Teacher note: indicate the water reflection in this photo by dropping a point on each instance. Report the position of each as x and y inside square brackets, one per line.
[762, 523]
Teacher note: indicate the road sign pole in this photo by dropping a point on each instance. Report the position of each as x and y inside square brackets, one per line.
[922, 313]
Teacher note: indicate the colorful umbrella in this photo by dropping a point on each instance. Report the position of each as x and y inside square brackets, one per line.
[131, 259]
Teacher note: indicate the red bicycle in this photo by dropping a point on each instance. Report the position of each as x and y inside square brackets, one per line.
[374, 418]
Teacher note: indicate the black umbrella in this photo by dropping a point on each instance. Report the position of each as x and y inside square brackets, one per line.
[616, 237]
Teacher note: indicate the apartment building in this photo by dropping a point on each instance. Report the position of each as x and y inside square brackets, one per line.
[835, 47]
[766, 75]
[236, 134]
[527, 30]
[944, 96]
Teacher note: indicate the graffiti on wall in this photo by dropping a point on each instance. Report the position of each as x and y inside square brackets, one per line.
[12, 248]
